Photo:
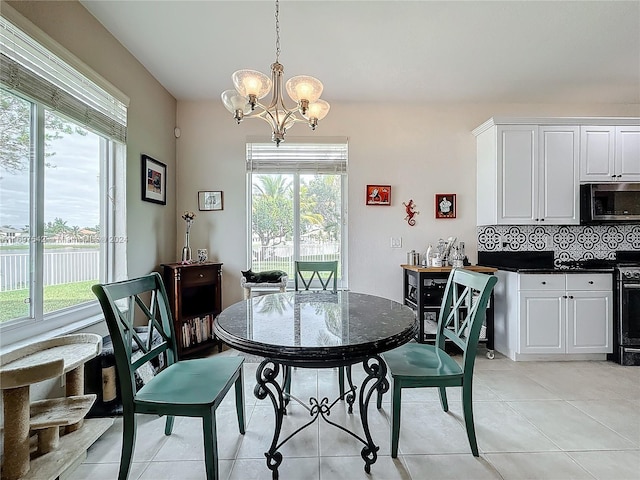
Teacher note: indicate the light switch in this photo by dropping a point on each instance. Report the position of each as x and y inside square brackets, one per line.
[396, 242]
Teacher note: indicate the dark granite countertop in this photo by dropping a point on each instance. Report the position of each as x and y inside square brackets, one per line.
[557, 270]
[543, 263]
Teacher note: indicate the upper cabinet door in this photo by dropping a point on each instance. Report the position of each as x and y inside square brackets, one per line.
[597, 149]
[517, 173]
[558, 185]
[610, 154]
[627, 157]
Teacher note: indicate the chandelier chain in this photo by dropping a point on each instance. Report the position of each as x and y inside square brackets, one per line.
[277, 31]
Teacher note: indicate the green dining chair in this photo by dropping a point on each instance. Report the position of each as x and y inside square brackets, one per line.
[189, 388]
[325, 274]
[416, 365]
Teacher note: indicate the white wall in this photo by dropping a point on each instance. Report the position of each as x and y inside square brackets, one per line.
[418, 150]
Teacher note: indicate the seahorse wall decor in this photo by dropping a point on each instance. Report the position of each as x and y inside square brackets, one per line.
[411, 212]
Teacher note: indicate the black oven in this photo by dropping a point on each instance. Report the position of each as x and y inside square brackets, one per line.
[627, 328]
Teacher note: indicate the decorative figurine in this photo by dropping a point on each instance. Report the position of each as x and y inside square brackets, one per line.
[411, 212]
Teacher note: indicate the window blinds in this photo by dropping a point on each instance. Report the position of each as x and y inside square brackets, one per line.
[312, 155]
[30, 69]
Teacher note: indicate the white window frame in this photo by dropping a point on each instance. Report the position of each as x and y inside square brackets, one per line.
[104, 110]
[296, 169]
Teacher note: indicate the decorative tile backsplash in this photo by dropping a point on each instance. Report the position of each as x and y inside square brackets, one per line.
[568, 242]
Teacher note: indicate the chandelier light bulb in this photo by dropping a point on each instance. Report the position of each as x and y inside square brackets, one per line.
[236, 104]
[304, 90]
[251, 84]
[318, 110]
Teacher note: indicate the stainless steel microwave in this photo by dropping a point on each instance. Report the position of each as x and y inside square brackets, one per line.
[609, 203]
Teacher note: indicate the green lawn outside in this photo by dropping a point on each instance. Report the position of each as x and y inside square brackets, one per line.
[56, 297]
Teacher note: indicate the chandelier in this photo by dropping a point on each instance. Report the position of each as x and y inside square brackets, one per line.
[251, 86]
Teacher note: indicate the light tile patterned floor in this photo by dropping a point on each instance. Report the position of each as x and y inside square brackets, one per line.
[542, 420]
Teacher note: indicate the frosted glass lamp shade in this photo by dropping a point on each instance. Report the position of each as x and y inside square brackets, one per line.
[233, 102]
[304, 87]
[317, 110]
[251, 82]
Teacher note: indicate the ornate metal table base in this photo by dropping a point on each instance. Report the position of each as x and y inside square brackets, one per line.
[267, 385]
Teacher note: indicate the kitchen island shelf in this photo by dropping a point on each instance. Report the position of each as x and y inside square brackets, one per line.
[423, 289]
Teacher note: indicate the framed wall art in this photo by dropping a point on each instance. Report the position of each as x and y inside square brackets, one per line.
[378, 195]
[446, 205]
[154, 180]
[210, 200]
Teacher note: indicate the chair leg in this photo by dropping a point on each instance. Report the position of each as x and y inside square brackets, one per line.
[210, 445]
[467, 408]
[443, 398]
[168, 427]
[240, 402]
[396, 398]
[128, 442]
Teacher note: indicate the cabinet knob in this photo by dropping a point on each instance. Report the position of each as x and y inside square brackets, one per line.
[613, 176]
[542, 219]
[564, 296]
[590, 282]
[544, 283]
[570, 296]
[201, 275]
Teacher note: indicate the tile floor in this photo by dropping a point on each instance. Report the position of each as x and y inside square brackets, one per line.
[542, 420]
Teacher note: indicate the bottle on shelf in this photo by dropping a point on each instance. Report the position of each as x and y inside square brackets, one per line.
[426, 259]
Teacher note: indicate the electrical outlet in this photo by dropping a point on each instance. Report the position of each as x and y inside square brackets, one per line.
[396, 242]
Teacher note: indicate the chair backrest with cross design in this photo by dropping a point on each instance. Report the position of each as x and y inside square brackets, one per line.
[325, 274]
[134, 301]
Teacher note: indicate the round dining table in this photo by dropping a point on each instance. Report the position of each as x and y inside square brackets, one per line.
[317, 330]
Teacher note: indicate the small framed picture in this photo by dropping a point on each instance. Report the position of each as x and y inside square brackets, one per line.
[210, 200]
[446, 205]
[154, 180]
[379, 195]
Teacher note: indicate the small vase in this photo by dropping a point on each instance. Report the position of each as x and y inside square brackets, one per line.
[186, 250]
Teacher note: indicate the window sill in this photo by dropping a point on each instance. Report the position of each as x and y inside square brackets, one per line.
[56, 332]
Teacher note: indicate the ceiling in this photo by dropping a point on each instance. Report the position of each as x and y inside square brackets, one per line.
[398, 51]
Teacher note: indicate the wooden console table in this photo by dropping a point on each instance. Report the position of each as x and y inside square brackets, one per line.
[34, 363]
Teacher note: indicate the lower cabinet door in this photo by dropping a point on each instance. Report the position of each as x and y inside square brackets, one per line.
[589, 322]
[542, 322]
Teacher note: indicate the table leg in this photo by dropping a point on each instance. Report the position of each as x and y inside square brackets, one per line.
[376, 371]
[266, 377]
[350, 396]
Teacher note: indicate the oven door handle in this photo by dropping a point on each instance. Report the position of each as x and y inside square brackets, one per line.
[634, 286]
[632, 350]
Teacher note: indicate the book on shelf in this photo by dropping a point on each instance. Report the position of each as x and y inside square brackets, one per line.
[196, 330]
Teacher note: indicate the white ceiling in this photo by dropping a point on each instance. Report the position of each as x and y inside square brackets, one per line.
[370, 51]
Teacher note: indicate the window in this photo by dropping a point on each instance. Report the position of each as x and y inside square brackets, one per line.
[61, 189]
[297, 208]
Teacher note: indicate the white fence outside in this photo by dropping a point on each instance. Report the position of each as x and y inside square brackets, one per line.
[58, 267]
[280, 257]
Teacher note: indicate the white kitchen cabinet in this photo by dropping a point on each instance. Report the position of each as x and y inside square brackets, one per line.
[554, 316]
[610, 153]
[589, 313]
[528, 174]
